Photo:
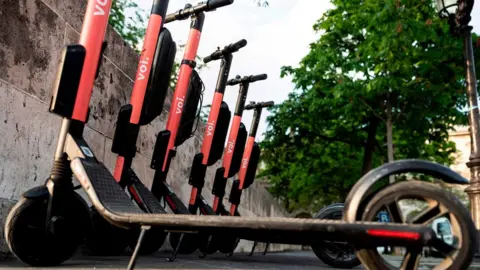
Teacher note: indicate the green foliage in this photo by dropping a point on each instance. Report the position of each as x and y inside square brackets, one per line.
[391, 61]
[131, 29]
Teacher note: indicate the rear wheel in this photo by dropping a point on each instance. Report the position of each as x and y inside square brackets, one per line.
[106, 239]
[227, 244]
[338, 255]
[209, 244]
[434, 204]
[189, 243]
[34, 244]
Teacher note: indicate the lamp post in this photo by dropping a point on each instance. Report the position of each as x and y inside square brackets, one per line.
[458, 14]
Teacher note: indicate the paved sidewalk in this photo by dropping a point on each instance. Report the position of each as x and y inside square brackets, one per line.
[304, 260]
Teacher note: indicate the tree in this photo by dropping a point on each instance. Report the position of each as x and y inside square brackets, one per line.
[384, 81]
[130, 28]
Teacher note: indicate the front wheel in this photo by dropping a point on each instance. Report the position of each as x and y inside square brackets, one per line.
[338, 255]
[432, 207]
[33, 243]
[190, 242]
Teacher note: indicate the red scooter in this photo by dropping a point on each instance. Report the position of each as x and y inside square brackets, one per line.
[146, 103]
[48, 223]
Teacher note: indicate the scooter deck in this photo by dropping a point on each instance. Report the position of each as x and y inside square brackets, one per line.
[150, 201]
[113, 203]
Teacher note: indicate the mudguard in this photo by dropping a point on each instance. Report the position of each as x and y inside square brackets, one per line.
[159, 79]
[238, 151]
[361, 189]
[37, 193]
[220, 135]
[252, 166]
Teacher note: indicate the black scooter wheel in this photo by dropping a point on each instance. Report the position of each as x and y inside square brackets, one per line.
[152, 242]
[338, 255]
[190, 242]
[208, 244]
[32, 243]
[105, 239]
[227, 244]
[438, 204]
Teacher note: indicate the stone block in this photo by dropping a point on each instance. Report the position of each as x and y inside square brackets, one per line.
[129, 63]
[109, 94]
[5, 207]
[29, 135]
[30, 44]
[115, 46]
[72, 12]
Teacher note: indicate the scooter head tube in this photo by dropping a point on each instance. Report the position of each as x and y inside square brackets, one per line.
[91, 38]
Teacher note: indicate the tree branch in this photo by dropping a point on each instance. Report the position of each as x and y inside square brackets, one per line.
[371, 109]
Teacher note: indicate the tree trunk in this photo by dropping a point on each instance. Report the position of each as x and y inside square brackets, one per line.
[370, 145]
[389, 124]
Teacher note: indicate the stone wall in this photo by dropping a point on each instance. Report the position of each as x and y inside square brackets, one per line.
[32, 36]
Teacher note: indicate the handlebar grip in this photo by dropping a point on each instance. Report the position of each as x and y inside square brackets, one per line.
[214, 56]
[236, 46]
[260, 105]
[260, 77]
[214, 4]
[268, 104]
[207, 59]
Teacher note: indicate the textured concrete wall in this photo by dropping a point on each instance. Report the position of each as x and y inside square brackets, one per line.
[32, 36]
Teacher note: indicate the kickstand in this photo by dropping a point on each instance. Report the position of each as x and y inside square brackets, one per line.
[266, 249]
[133, 259]
[253, 248]
[230, 254]
[203, 254]
[177, 248]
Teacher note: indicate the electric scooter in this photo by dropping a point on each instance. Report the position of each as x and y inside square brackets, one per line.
[212, 146]
[248, 168]
[149, 92]
[231, 165]
[183, 113]
[46, 225]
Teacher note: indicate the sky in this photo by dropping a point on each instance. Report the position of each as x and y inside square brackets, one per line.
[278, 35]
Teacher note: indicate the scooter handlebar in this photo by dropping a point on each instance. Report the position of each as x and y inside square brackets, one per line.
[235, 46]
[235, 81]
[214, 4]
[214, 56]
[260, 77]
[254, 105]
[249, 79]
[190, 10]
[228, 49]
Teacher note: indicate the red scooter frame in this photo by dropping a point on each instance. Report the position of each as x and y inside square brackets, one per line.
[57, 201]
[248, 169]
[211, 150]
[235, 144]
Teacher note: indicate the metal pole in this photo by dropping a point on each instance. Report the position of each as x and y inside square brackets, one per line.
[473, 190]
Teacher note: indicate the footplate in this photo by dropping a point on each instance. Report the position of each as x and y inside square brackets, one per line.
[113, 203]
[147, 197]
[102, 188]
